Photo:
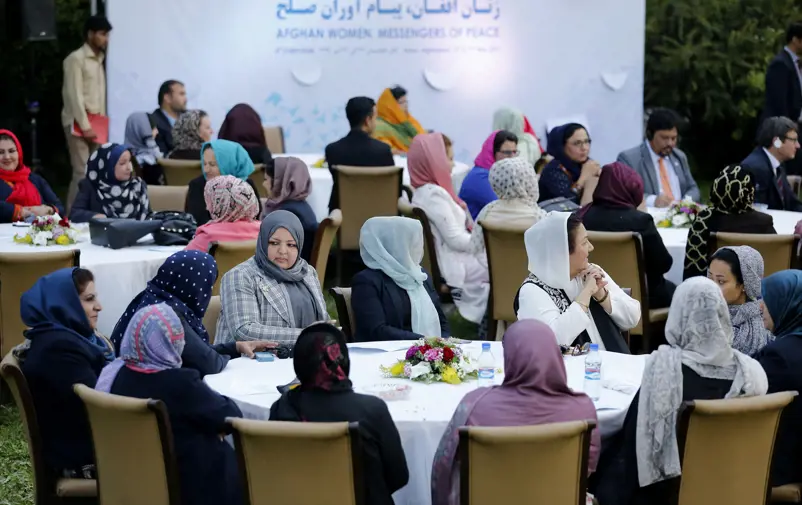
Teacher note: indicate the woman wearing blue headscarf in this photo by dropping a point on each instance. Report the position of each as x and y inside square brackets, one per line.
[571, 174]
[394, 298]
[782, 361]
[63, 349]
[110, 188]
[218, 157]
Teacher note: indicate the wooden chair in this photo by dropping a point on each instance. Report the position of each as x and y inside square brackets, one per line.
[18, 273]
[274, 136]
[134, 452]
[211, 317]
[508, 268]
[278, 449]
[345, 314]
[796, 183]
[525, 464]
[779, 251]
[258, 179]
[49, 488]
[180, 172]
[720, 464]
[621, 255]
[228, 255]
[168, 198]
[324, 239]
[364, 192]
[429, 262]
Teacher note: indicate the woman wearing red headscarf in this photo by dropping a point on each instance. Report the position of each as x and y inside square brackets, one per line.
[22, 193]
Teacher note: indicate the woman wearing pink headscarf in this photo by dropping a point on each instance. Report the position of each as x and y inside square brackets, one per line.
[476, 189]
[535, 391]
[233, 207]
[430, 174]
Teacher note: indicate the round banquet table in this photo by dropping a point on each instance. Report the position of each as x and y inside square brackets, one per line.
[676, 238]
[421, 420]
[322, 182]
[119, 274]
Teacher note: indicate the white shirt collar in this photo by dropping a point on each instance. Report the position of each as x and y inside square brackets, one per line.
[655, 156]
[774, 161]
[794, 56]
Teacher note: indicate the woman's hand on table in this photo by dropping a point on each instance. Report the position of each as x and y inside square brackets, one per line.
[37, 210]
[99, 216]
[252, 346]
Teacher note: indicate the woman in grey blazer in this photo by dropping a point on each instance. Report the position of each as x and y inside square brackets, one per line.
[275, 294]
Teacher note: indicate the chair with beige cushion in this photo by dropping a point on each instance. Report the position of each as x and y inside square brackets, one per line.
[342, 299]
[274, 136]
[180, 172]
[168, 198]
[324, 239]
[228, 255]
[211, 317]
[134, 454]
[545, 464]
[18, 273]
[364, 192]
[621, 255]
[779, 251]
[49, 488]
[796, 183]
[726, 448]
[258, 179]
[508, 268]
[271, 454]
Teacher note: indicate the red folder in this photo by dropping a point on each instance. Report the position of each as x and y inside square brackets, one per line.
[99, 124]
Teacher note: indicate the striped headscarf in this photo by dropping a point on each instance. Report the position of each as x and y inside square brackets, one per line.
[153, 341]
[230, 199]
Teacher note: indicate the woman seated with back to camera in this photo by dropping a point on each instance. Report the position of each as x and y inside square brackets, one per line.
[288, 184]
[275, 294]
[618, 205]
[219, 157]
[394, 298]
[110, 188]
[190, 131]
[243, 125]
[577, 299]
[325, 394]
[233, 207]
[150, 367]
[24, 194]
[572, 174]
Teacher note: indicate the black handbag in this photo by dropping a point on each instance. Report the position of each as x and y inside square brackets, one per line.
[176, 228]
[118, 233]
[559, 204]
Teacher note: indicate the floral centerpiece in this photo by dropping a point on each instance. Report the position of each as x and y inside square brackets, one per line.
[680, 214]
[433, 360]
[49, 230]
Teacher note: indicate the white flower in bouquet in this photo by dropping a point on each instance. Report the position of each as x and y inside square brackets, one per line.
[73, 234]
[40, 238]
[680, 220]
[420, 370]
[57, 217]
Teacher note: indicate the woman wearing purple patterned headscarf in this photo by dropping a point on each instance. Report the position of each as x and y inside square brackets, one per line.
[233, 207]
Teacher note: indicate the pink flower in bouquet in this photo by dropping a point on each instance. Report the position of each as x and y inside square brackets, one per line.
[57, 232]
[407, 370]
[433, 354]
[411, 352]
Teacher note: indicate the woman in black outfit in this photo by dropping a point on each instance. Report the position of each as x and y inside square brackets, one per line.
[325, 394]
[617, 204]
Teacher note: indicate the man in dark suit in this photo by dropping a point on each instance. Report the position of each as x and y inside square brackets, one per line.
[172, 103]
[784, 85]
[778, 142]
[358, 148]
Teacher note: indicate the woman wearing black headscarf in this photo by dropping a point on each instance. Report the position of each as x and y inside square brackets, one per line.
[325, 394]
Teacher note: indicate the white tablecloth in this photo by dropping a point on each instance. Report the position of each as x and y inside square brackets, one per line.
[676, 238]
[322, 182]
[423, 418]
[119, 274]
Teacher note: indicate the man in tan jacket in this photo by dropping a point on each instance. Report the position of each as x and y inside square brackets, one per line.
[84, 92]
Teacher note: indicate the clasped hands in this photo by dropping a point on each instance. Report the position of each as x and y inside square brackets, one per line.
[595, 284]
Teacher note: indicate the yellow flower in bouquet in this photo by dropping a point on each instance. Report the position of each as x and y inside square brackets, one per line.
[63, 240]
[319, 163]
[397, 370]
[450, 375]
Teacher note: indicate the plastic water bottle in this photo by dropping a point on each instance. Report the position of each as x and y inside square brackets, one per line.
[486, 367]
[593, 373]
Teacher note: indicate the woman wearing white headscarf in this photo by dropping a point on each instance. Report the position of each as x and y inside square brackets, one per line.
[697, 364]
[515, 183]
[394, 298]
[514, 121]
[577, 299]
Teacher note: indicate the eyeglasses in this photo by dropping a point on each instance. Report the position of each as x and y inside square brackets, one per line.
[795, 140]
[509, 154]
[581, 143]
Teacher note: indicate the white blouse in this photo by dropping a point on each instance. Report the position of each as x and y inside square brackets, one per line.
[534, 303]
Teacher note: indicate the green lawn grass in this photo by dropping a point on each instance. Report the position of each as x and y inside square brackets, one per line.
[16, 480]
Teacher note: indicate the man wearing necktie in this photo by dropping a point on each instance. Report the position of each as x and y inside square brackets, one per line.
[778, 142]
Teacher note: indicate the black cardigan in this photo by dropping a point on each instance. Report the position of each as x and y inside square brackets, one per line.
[206, 359]
[196, 204]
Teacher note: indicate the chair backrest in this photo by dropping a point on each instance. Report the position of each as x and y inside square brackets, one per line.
[525, 464]
[211, 317]
[134, 452]
[429, 262]
[406, 209]
[620, 254]
[507, 265]
[18, 272]
[727, 447]
[180, 172]
[796, 183]
[345, 314]
[168, 197]
[365, 192]
[228, 255]
[274, 136]
[324, 238]
[258, 178]
[279, 449]
[779, 251]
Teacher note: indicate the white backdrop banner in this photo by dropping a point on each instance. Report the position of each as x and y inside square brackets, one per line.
[298, 61]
